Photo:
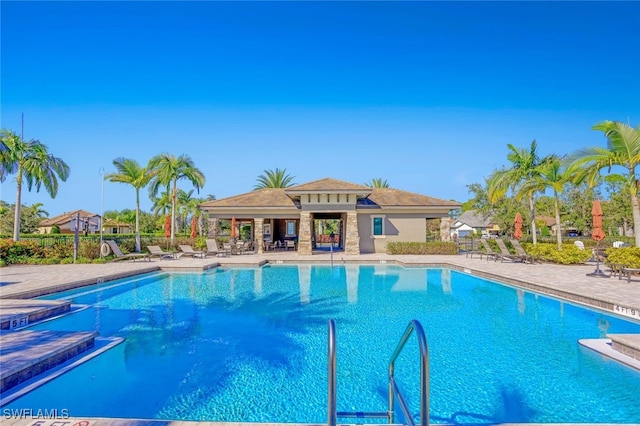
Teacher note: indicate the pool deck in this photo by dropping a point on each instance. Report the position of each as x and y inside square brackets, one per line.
[19, 284]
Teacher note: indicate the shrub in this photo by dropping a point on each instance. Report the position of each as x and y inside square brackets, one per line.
[569, 255]
[627, 256]
[89, 249]
[18, 252]
[435, 247]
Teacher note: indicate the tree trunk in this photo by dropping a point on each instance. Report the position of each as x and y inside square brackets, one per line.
[137, 220]
[635, 208]
[16, 216]
[558, 227]
[173, 209]
[532, 209]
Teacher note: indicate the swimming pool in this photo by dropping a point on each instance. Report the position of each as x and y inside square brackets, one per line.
[251, 345]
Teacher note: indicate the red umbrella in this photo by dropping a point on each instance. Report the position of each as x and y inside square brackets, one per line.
[597, 234]
[596, 212]
[517, 233]
[233, 227]
[194, 227]
[167, 226]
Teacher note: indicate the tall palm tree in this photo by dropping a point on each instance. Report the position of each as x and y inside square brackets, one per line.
[168, 169]
[524, 167]
[378, 183]
[274, 179]
[131, 173]
[623, 149]
[551, 175]
[31, 162]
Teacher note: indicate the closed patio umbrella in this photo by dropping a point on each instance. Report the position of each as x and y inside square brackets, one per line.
[194, 227]
[596, 213]
[517, 233]
[233, 228]
[167, 226]
[597, 233]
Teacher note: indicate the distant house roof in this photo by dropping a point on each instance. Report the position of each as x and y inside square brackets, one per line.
[548, 220]
[474, 219]
[65, 218]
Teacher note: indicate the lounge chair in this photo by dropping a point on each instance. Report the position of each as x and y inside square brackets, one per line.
[521, 252]
[505, 254]
[119, 255]
[212, 248]
[244, 247]
[289, 244]
[479, 252]
[488, 251]
[189, 251]
[156, 251]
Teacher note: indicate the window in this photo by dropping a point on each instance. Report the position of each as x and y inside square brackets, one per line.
[291, 227]
[266, 229]
[377, 223]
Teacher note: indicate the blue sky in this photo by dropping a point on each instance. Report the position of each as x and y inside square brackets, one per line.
[426, 95]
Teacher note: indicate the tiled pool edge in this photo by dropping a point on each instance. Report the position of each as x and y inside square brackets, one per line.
[541, 289]
[32, 294]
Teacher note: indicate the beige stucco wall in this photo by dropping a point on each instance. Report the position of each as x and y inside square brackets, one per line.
[406, 228]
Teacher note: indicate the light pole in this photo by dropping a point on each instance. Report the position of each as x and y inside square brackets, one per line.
[101, 171]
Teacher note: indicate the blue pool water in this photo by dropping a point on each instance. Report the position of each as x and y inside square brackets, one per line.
[251, 345]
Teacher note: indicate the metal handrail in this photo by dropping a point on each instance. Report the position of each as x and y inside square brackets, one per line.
[414, 325]
[331, 409]
[394, 390]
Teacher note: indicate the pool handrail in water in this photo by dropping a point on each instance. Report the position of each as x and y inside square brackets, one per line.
[394, 390]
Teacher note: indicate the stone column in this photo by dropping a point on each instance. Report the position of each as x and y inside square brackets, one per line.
[445, 230]
[352, 239]
[304, 231]
[257, 234]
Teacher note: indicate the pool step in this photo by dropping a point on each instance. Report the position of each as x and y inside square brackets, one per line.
[17, 313]
[25, 354]
[624, 348]
[626, 344]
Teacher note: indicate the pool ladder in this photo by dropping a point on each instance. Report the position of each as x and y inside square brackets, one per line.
[394, 390]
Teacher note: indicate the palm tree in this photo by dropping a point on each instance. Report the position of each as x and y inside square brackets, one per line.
[551, 174]
[274, 179]
[131, 173]
[378, 183]
[30, 161]
[525, 167]
[168, 169]
[162, 204]
[623, 149]
[185, 200]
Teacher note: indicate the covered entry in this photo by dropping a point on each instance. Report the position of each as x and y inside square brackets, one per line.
[324, 226]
